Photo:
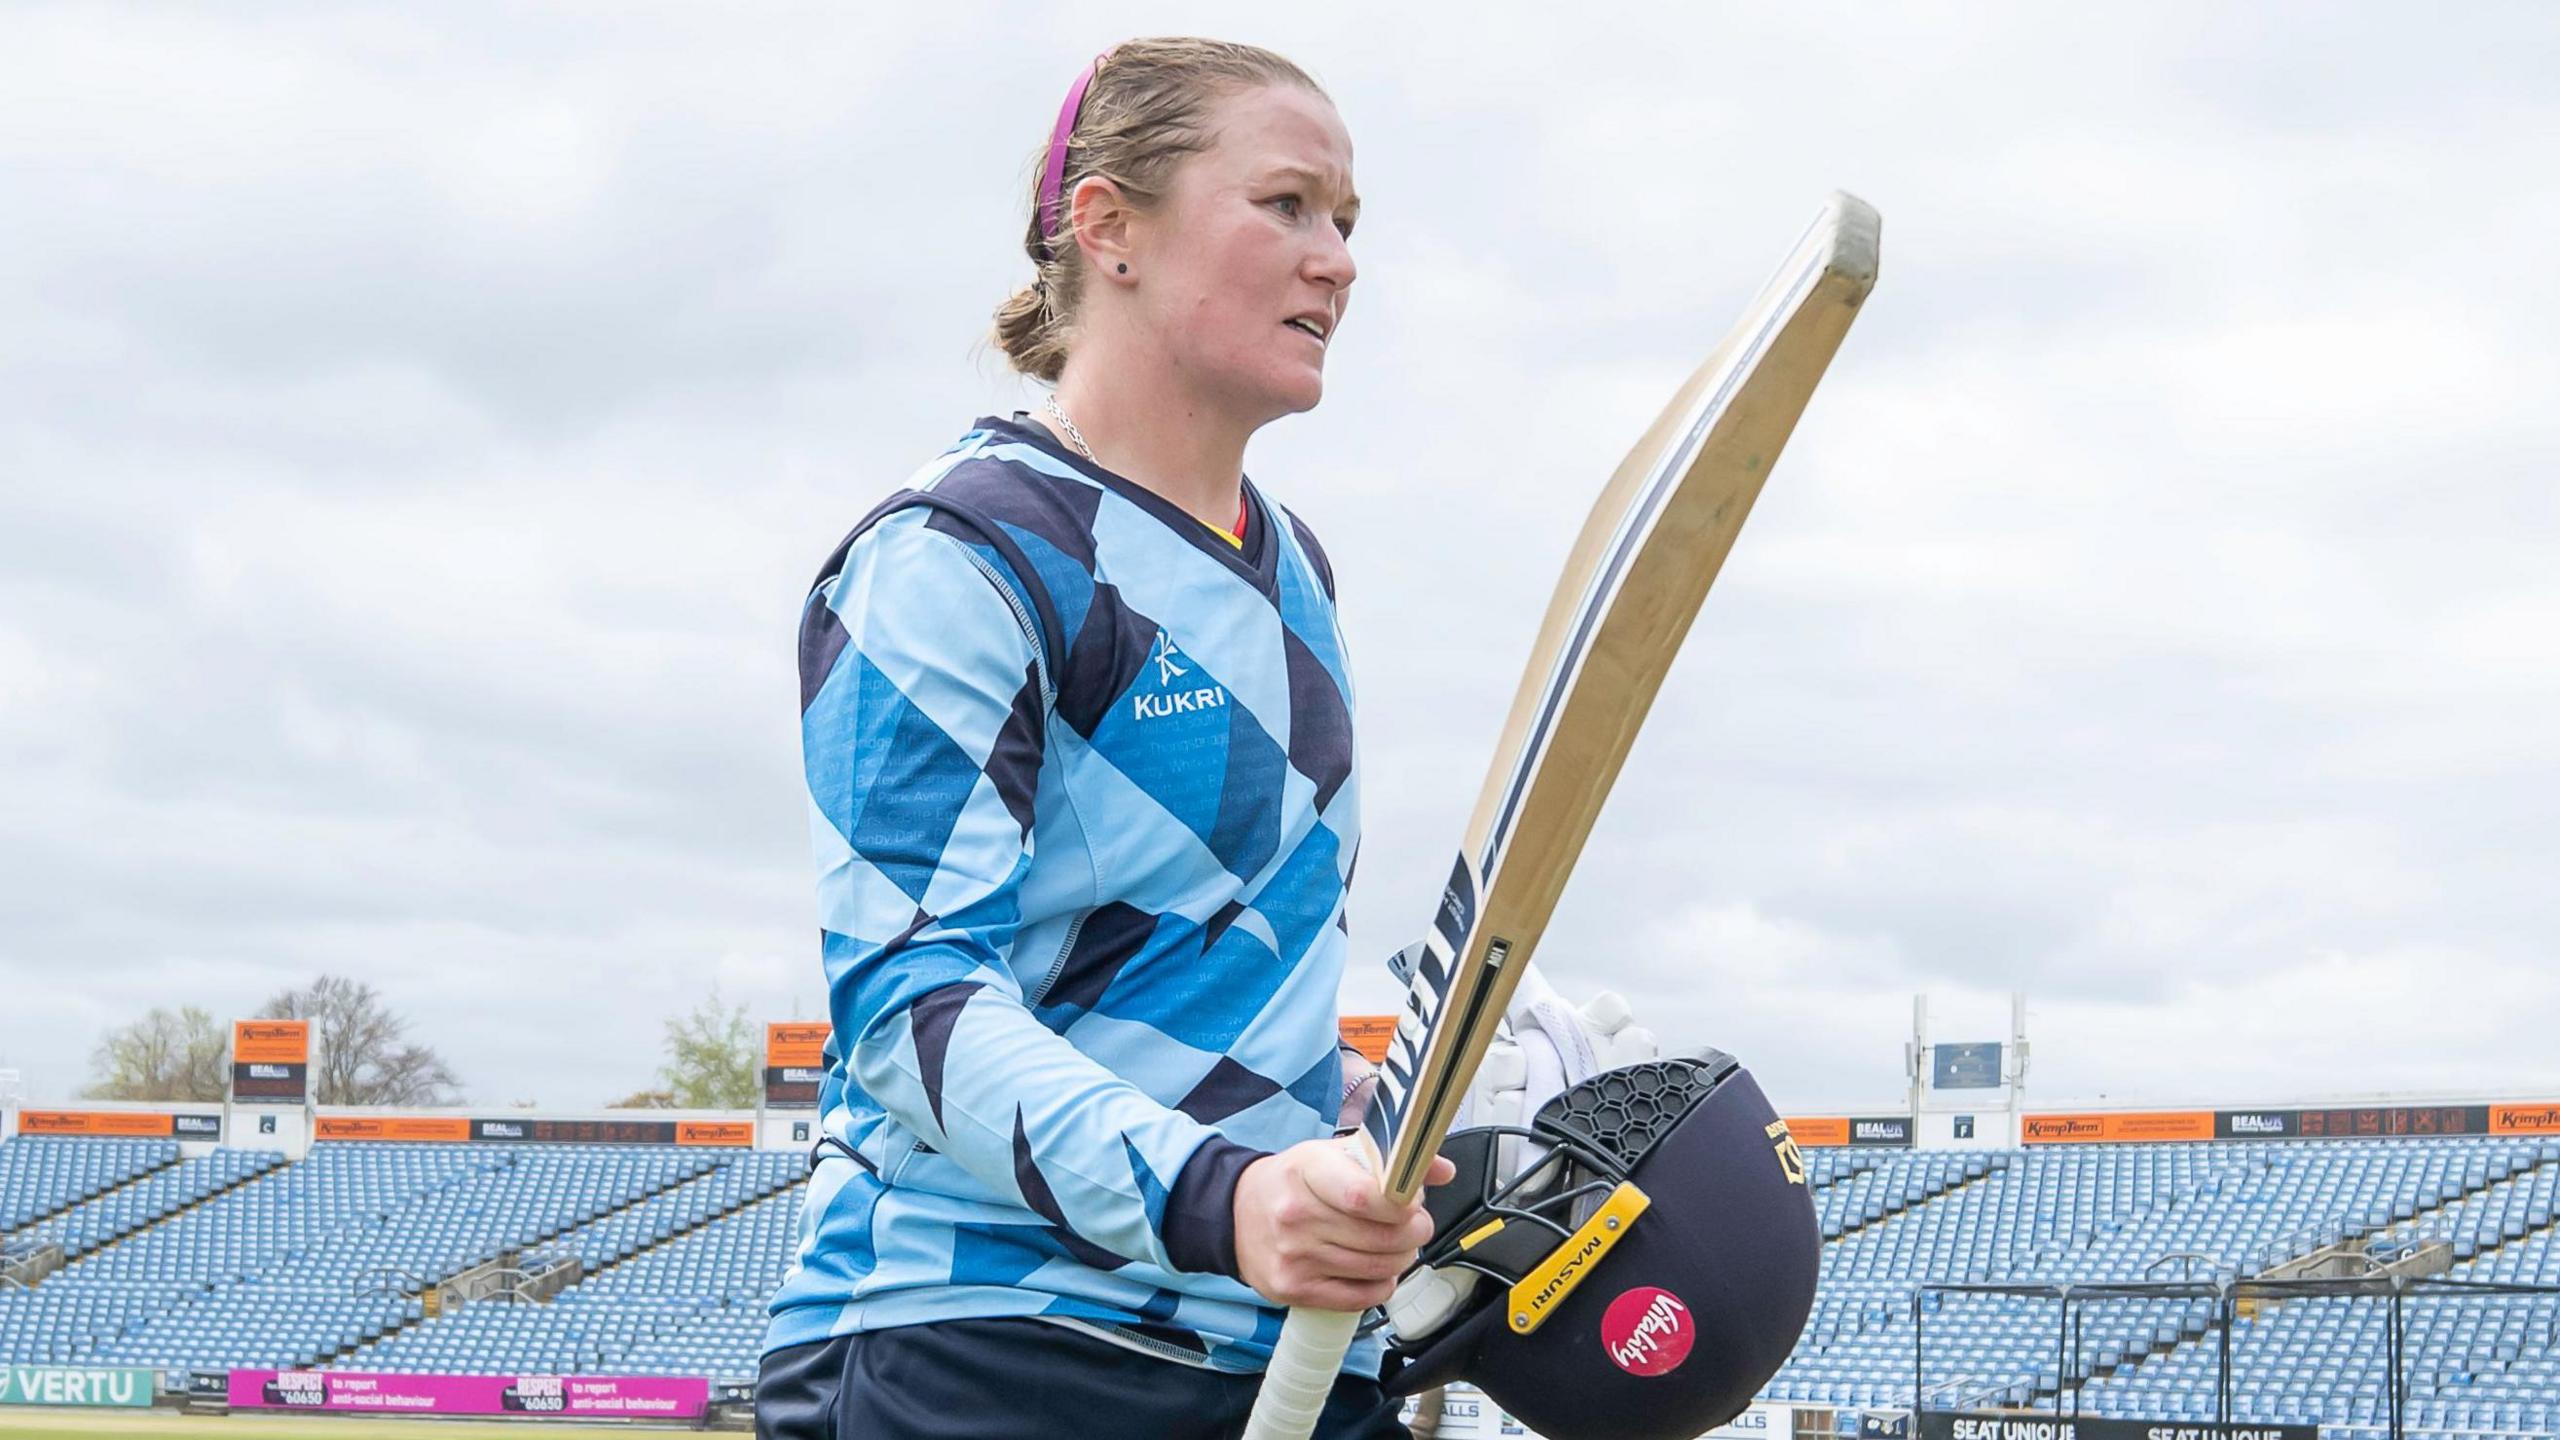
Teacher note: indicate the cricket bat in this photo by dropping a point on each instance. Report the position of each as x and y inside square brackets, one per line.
[1631, 586]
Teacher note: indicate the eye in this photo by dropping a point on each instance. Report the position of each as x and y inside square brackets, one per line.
[1291, 204]
[1344, 226]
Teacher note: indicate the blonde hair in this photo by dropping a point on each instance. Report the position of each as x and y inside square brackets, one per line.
[1146, 110]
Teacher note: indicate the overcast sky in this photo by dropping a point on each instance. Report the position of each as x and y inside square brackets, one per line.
[418, 428]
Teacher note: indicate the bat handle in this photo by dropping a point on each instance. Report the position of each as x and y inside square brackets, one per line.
[1308, 1358]
[1303, 1368]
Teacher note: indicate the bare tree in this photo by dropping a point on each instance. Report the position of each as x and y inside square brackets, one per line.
[165, 1055]
[713, 1061]
[359, 1051]
[644, 1100]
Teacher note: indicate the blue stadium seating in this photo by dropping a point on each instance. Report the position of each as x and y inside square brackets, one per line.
[2165, 1212]
[675, 1285]
[2477, 1364]
[233, 1258]
[40, 1174]
[90, 1224]
[309, 1260]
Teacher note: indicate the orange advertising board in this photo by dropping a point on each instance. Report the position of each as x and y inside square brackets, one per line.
[271, 1042]
[127, 1123]
[796, 1044]
[739, 1133]
[2528, 1119]
[1369, 1035]
[446, 1128]
[2117, 1127]
[1819, 1132]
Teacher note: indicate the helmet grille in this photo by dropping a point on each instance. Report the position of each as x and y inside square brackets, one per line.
[1623, 1112]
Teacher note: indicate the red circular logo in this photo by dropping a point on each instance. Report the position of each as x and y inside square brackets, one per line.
[1648, 1331]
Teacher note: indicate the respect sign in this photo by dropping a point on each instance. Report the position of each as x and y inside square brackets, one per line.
[621, 1397]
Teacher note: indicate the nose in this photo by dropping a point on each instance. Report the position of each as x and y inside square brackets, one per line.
[1332, 265]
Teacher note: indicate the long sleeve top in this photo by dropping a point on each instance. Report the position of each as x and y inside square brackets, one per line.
[1085, 809]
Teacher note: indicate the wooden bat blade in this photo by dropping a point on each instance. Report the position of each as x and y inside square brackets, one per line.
[1652, 546]
[1635, 579]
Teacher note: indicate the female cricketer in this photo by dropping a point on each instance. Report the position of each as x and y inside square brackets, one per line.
[1077, 727]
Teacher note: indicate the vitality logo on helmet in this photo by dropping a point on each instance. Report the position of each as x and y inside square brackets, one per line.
[1647, 1331]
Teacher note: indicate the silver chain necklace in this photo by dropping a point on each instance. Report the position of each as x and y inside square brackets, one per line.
[1070, 427]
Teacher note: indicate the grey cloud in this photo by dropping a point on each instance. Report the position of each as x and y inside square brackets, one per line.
[416, 430]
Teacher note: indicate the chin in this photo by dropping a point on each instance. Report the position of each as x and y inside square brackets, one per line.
[1291, 394]
[1307, 397]
[1271, 391]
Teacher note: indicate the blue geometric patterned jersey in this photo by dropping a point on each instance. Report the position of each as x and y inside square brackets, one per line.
[1085, 810]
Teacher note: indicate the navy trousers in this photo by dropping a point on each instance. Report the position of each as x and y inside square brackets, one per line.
[1021, 1380]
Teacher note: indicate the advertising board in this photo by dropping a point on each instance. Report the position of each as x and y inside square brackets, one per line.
[73, 1385]
[623, 1397]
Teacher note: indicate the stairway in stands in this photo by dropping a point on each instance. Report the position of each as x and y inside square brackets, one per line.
[25, 1224]
[1874, 1193]
[175, 1214]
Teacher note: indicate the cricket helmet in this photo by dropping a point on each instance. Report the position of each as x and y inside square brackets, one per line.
[1642, 1278]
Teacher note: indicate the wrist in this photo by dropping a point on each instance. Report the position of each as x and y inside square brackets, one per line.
[1200, 1211]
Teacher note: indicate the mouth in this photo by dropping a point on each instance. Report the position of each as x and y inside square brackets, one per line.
[1313, 326]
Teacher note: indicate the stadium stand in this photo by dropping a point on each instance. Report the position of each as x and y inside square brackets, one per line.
[2101, 1214]
[303, 1262]
[348, 1258]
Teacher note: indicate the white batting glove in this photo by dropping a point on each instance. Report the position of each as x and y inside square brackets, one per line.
[1547, 1045]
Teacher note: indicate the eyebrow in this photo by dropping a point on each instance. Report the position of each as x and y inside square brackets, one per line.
[1302, 173]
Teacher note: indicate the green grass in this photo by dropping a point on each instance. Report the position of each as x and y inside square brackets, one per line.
[45, 1423]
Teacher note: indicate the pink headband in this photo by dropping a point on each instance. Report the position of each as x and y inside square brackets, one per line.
[1055, 173]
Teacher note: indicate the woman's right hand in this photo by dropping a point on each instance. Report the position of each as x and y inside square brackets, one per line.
[1314, 1229]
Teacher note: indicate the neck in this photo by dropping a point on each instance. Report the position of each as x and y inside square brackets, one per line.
[1145, 425]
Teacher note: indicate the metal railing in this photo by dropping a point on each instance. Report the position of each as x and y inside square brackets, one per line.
[495, 1283]
[2305, 1239]
[1943, 1386]
[388, 1280]
[2187, 1269]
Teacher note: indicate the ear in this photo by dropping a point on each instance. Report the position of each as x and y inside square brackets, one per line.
[1102, 220]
